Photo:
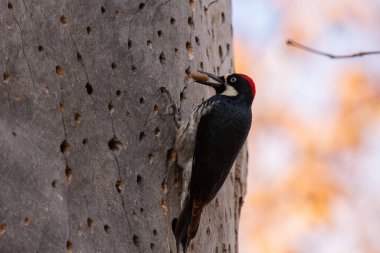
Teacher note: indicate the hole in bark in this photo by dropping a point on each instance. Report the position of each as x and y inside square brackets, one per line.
[224, 248]
[117, 13]
[111, 108]
[149, 44]
[59, 70]
[216, 202]
[201, 65]
[54, 183]
[88, 29]
[77, 118]
[142, 135]
[118, 93]
[40, 48]
[65, 147]
[115, 145]
[141, 6]
[192, 248]
[157, 131]
[61, 107]
[162, 58]
[182, 97]
[151, 157]
[142, 210]
[152, 245]
[216, 250]
[220, 52]
[3, 229]
[155, 109]
[171, 155]
[136, 240]
[10, 6]
[218, 70]
[14, 134]
[142, 100]
[223, 17]
[63, 20]
[89, 88]
[208, 232]
[155, 232]
[85, 141]
[176, 50]
[133, 68]
[69, 174]
[113, 65]
[197, 41]
[79, 58]
[139, 179]
[107, 228]
[129, 44]
[90, 222]
[119, 186]
[26, 221]
[134, 215]
[165, 187]
[127, 114]
[164, 206]
[172, 20]
[102, 9]
[190, 22]
[190, 51]
[228, 46]
[6, 76]
[192, 5]
[159, 33]
[69, 246]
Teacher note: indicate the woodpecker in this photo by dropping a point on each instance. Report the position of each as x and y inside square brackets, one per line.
[207, 144]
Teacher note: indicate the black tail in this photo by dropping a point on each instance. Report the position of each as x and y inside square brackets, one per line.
[181, 225]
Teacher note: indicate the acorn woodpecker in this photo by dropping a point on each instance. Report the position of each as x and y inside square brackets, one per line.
[207, 145]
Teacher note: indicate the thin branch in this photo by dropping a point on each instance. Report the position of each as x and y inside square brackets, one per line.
[295, 44]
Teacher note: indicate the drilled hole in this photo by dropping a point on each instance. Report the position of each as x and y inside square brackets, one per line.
[164, 206]
[77, 118]
[26, 221]
[129, 44]
[89, 88]
[62, 107]
[3, 229]
[182, 97]
[107, 228]
[142, 100]
[113, 65]
[151, 158]
[197, 41]
[176, 50]
[172, 20]
[152, 246]
[216, 202]
[59, 70]
[190, 51]
[134, 215]
[133, 68]
[171, 155]
[159, 33]
[223, 17]
[139, 179]
[65, 147]
[88, 29]
[54, 183]
[155, 232]
[115, 145]
[142, 135]
[190, 22]
[119, 186]
[127, 114]
[149, 44]
[141, 6]
[157, 132]
[118, 93]
[40, 48]
[117, 13]
[201, 65]
[142, 210]
[69, 246]
[111, 108]
[79, 58]
[63, 20]
[162, 58]
[10, 6]
[188, 71]
[220, 52]
[90, 222]
[136, 240]
[165, 187]
[208, 232]
[14, 134]
[69, 174]
[102, 9]
[192, 5]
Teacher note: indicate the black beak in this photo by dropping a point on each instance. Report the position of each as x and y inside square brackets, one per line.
[220, 80]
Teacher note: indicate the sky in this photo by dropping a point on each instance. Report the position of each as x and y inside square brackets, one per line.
[314, 150]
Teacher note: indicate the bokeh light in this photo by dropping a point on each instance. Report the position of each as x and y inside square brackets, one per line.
[314, 168]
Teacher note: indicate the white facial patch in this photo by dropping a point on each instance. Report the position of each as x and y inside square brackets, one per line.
[230, 91]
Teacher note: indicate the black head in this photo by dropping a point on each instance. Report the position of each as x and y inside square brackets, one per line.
[234, 85]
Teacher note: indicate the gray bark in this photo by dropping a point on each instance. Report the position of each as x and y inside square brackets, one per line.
[86, 134]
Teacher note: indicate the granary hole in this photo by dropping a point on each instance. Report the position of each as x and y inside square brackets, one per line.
[59, 71]
[40, 48]
[197, 41]
[129, 44]
[220, 52]
[152, 246]
[162, 58]
[63, 20]
[201, 65]
[90, 222]
[69, 174]
[10, 6]
[113, 65]
[3, 229]
[155, 109]
[69, 246]
[223, 17]
[142, 135]
[172, 21]
[79, 58]
[190, 22]
[77, 118]
[6, 76]
[142, 210]
[119, 185]
[182, 97]
[141, 100]
[139, 179]
[89, 88]
[88, 29]
[127, 114]
[84, 141]
[65, 147]
[136, 240]
[115, 145]
[192, 5]
[155, 232]
[190, 50]
[26, 221]
[141, 6]
[157, 132]
[149, 44]
[151, 158]
[106, 228]
[111, 108]
[54, 183]
[160, 33]
[103, 9]
[133, 67]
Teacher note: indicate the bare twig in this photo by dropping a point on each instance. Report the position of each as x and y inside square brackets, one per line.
[293, 43]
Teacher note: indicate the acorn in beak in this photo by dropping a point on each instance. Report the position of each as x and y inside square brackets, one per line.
[204, 78]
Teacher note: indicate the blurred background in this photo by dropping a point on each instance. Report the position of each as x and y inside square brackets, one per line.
[314, 171]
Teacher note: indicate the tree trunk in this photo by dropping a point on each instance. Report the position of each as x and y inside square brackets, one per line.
[86, 125]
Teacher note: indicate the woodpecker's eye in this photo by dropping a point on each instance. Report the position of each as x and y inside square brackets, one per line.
[233, 79]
